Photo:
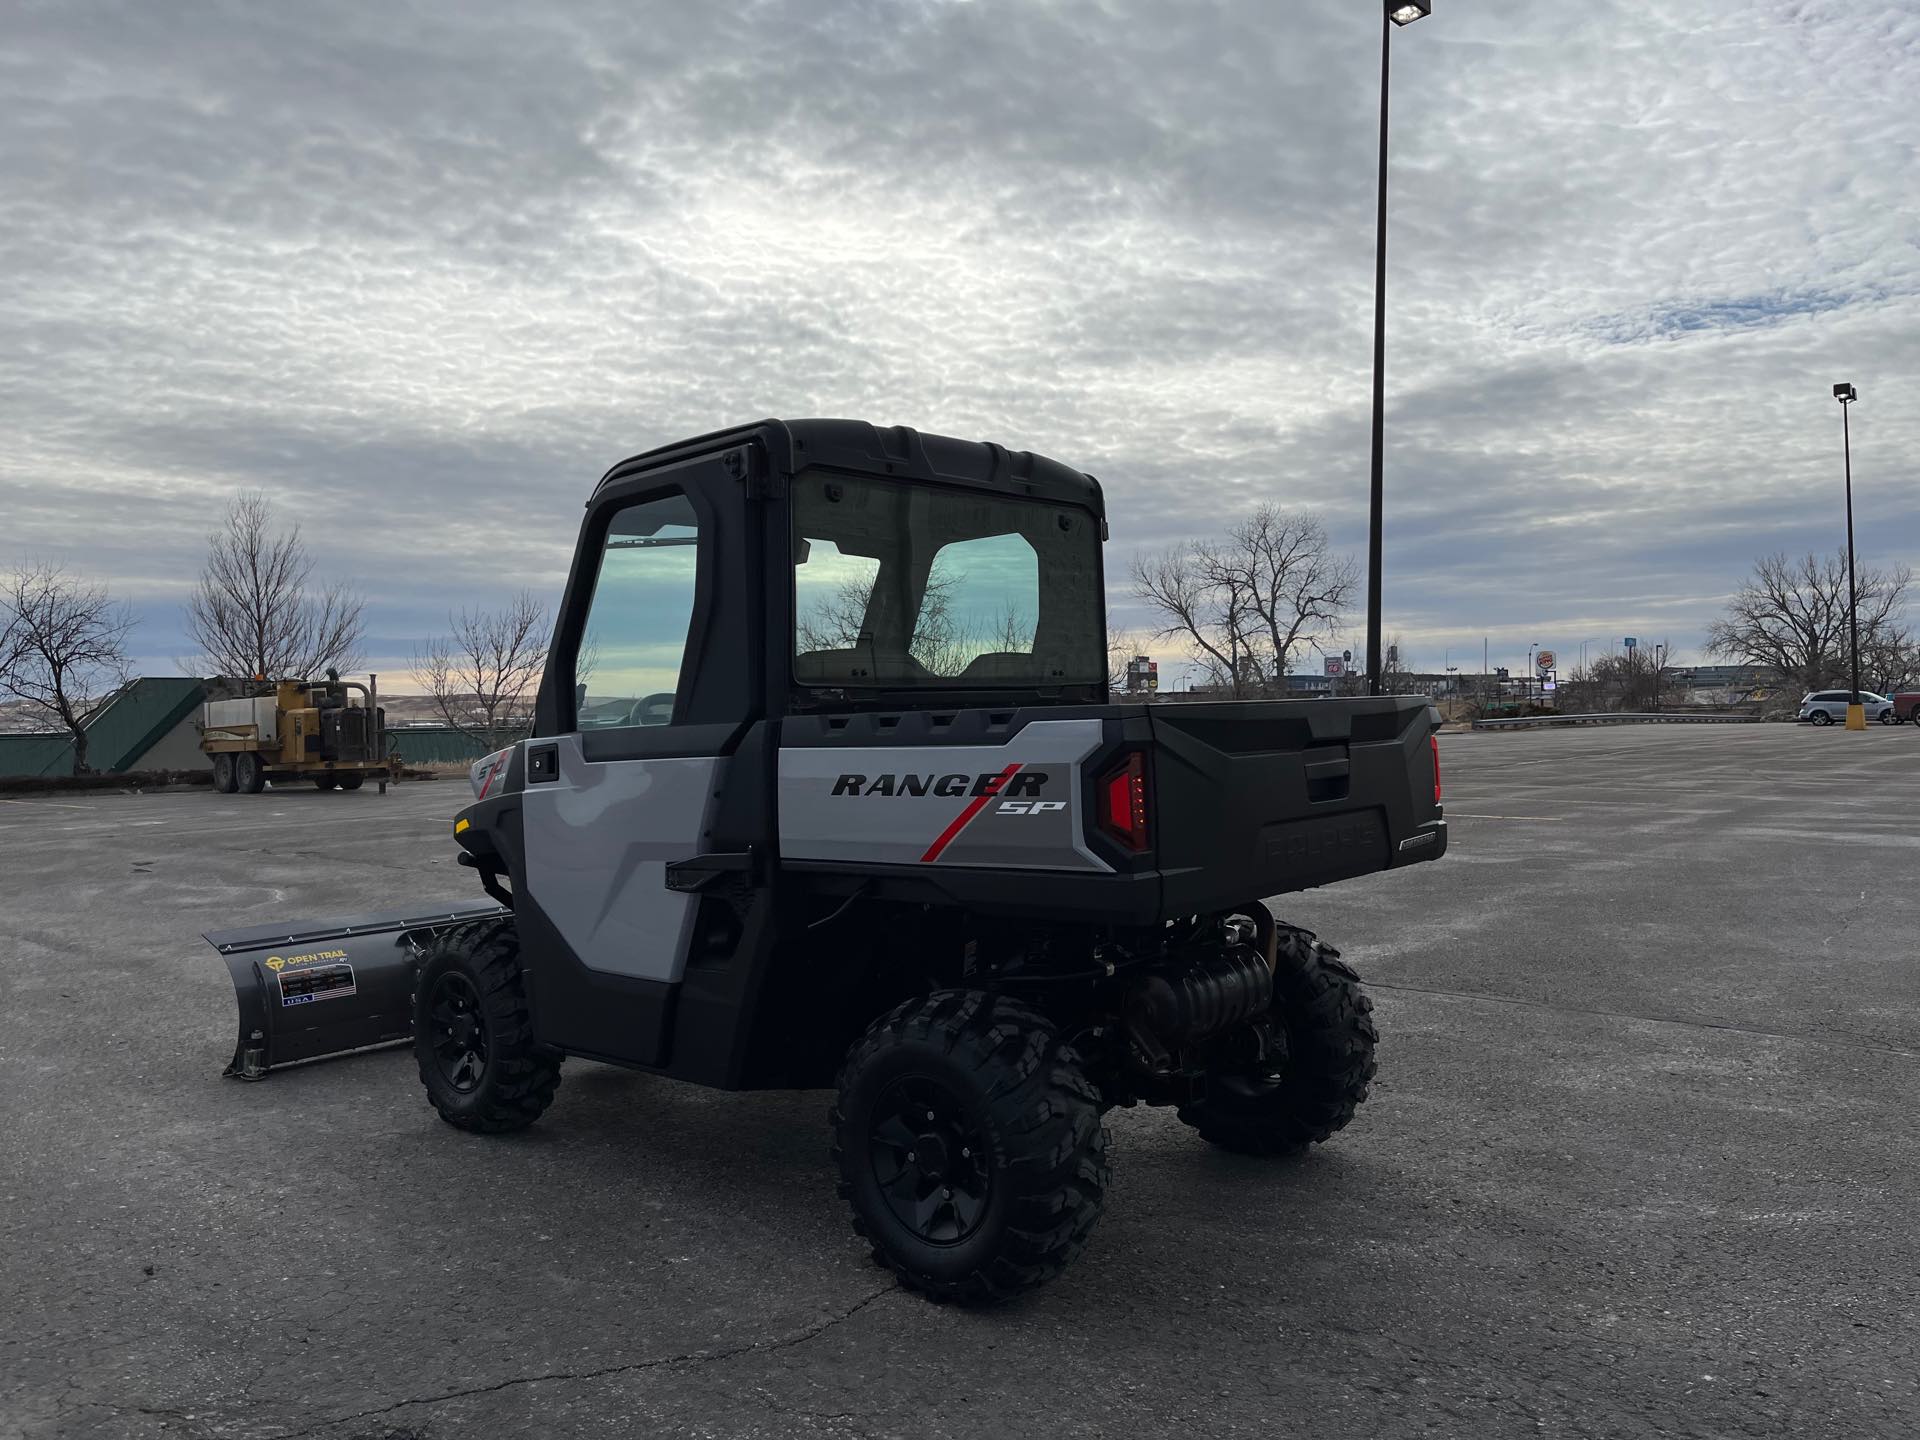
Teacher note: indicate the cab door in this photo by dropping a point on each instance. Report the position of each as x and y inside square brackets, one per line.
[630, 784]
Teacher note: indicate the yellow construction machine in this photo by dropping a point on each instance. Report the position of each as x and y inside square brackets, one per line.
[318, 730]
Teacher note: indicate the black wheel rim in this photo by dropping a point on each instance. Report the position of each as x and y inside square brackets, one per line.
[459, 1033]
[930, 1160]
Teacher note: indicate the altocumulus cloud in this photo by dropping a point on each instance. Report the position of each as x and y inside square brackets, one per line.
[420, 272]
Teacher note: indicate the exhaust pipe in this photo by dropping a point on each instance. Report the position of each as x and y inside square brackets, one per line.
[317, 988]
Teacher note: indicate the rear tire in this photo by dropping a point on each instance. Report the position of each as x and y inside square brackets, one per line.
[223, 774]
[1310, 1093]
[1821, 717]
[352, 782]
[324, 782]
[473, 1033]
[969, 1145]
[249, 775]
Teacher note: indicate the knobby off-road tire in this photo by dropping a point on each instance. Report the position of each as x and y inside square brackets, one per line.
[1314, 1090]
[969, 1145]
[473, 1035]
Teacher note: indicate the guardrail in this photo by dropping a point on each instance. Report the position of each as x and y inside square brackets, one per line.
[1531, 722]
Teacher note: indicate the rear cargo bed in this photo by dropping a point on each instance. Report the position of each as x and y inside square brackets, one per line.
[1260, 797]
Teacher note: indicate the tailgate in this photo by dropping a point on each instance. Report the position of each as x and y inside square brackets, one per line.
[1256, 798]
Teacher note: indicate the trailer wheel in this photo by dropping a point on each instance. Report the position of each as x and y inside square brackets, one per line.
[323, 782]
[969, 1145]
[249, 775]
[223, 774]
[473, 1033]
[352, 782]
[1304, 1095]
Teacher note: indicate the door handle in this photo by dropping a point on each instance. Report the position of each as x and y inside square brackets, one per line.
[543, 764]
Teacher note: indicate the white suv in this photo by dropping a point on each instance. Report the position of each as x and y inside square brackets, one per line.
[1825, 707]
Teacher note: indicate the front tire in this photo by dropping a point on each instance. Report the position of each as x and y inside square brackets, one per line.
[1282, 1105]
[352, 782]
[473, 1033]
[969, 1145]
[324, 782]
[223, 773]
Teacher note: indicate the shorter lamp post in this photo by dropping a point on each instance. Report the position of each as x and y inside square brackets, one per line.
[1856, 712]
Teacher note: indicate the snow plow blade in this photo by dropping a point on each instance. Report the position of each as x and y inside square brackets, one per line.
[316, 988]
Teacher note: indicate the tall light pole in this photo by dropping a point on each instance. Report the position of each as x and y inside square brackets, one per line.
[1392, 14]
[1856, 714]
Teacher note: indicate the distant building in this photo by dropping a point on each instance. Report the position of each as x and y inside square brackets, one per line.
[1720, 677]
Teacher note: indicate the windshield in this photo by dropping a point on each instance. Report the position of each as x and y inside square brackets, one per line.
[913, 586]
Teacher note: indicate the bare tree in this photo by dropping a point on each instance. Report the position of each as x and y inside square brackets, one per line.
[256, 612]
[1790, 618]
[481, 676]
[62, 648]
[1209, 618]
[1633, 680]
[1249, 605]
[1122, 646]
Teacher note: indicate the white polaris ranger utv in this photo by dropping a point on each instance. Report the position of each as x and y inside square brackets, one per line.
[826, 789]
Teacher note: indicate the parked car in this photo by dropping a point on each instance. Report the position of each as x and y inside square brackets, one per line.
[1825, 707]
[1906, 706]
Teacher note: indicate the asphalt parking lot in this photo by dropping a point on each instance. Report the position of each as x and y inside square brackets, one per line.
[1641, 1160]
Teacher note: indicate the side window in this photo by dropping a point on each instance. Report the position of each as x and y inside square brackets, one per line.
[634, 643]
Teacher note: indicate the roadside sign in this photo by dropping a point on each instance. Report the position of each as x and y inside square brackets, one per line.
[1347, 655]
[1544, 660]
[1336, 667]
[1633, 643]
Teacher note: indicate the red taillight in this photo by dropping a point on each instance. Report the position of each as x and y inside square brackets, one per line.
[1123, 802]
[1435, 740]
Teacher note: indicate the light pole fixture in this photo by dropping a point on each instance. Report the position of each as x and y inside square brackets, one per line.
[1856, 713]
[1393, 15]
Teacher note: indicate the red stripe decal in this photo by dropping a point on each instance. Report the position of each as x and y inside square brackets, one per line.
[487, 784]
[961, 821]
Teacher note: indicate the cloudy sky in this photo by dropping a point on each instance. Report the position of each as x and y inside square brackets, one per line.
[422, 272]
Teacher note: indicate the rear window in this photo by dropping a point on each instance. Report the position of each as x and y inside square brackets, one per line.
[922, 586]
